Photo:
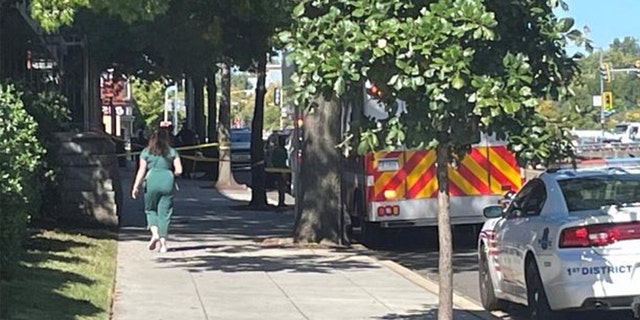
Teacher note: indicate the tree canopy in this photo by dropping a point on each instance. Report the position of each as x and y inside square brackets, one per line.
[460, 66]
[446, 70]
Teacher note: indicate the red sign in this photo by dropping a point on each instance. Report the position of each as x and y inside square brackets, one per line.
[115, 91]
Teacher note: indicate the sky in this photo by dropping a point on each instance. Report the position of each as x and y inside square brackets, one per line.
[606, 19]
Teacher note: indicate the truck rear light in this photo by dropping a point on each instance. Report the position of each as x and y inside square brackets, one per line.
[390, 194]
[599, 235]
[388, 211]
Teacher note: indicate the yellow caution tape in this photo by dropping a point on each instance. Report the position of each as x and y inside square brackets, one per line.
[278, 170]
[199, 146]
[200, 158]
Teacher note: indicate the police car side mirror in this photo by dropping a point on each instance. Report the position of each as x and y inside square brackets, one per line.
[492, 212]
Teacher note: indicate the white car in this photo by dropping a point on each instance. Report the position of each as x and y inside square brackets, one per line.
[568, 240]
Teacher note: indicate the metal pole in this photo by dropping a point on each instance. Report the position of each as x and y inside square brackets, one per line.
[175, 109]
[298, 155]
[166, 100]
[602, 120]
[112, 110]
[341, 225]
[280, 106]
[112, 107]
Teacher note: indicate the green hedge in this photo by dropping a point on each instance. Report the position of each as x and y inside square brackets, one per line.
[20, 161]
[50, 111]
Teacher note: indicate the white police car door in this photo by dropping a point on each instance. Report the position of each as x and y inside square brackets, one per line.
[515, 232]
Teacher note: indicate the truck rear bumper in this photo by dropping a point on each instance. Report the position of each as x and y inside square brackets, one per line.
[424, 212]
[430, 222]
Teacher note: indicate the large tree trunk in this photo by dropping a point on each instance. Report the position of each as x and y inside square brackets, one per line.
[445, 306]
[198, 106]
[225, 178]
[212, 129]
[319, 173]
[258, 187]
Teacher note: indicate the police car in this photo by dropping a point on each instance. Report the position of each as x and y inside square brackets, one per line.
[568, 240]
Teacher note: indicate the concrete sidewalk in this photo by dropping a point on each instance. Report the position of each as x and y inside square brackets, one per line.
[217, 269]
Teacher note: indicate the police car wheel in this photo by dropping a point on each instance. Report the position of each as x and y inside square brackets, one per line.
[538, 304]
[487, 292]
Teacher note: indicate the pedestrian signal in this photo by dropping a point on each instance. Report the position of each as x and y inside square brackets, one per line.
[607, 100]
[277, 96]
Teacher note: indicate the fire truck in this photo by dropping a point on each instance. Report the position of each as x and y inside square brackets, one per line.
[398, 189]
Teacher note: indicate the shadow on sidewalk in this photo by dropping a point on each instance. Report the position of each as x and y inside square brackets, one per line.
[431, 312]
[302, 263]
[199, 213]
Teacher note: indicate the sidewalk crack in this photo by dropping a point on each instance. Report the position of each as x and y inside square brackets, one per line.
[286, 295]
[195, 286]
[365, 290]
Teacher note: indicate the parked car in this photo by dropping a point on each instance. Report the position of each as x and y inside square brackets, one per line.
[240, 149]
[568, 240]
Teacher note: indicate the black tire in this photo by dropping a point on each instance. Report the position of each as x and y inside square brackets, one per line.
[370, 234]
[537, 303]
[487, 292]
[354, 219]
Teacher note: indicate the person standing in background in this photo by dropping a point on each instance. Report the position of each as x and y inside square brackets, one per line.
[279, 161]
[158, 166]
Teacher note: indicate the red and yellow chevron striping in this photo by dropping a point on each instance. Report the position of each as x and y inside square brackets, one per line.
[484, 171]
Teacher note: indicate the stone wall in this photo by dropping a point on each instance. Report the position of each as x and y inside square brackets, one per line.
[91, 186]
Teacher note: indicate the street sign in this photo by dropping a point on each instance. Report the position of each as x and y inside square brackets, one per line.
[597, 101]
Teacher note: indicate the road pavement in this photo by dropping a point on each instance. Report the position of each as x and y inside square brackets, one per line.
[418, 250]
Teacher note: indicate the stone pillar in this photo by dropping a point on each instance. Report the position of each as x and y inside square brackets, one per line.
[91, 185]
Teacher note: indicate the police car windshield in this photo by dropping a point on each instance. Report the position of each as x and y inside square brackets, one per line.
[594, 192]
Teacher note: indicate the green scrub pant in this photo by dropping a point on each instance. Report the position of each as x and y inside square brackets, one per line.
[158, 199]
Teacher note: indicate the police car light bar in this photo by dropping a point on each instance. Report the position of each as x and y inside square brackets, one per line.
[598, 163]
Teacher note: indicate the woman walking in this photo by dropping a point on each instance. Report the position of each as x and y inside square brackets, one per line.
[159, 165]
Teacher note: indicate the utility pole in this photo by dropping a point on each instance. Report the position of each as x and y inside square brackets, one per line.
[602, 118]
[167, 91]
[175, 110]
[278, 101]
[606, 74]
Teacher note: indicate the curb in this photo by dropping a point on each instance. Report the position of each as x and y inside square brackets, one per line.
[459, 301]
[468, 305]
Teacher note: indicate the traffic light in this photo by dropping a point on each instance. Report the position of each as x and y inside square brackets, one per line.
[605, 72]
[373, 90]
[607, 100]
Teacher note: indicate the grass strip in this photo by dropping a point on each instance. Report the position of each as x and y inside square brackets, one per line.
[63, 274]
